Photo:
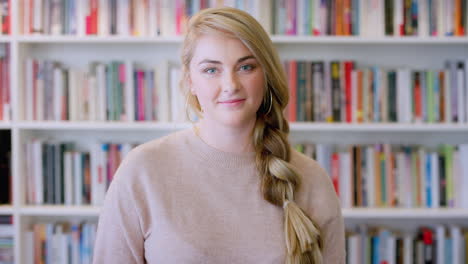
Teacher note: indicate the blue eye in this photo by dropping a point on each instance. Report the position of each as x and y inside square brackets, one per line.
[247, 67]
[210, 70]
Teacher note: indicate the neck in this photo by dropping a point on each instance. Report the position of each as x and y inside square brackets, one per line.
[226, 138]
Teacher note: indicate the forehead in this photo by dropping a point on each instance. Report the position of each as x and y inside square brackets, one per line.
[221, 48]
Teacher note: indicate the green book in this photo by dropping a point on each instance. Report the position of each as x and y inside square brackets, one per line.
[448, 154]
[300, 148]
[430, 97]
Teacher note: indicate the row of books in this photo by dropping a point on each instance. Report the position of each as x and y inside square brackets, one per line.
[438, 245]
[379, 175]
[114, 91]
[384, 175]
[5, 96]
[285, 17]
[343, 91]
[58, 173]
[5, 167]
[320, 91]
[371, 18]
[123, 17]
[6, 239]
[60, 242]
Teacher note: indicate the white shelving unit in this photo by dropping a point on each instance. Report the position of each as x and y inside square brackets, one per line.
[354, 213]
[414, 52]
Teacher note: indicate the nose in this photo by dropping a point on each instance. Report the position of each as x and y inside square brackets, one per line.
[230, 83]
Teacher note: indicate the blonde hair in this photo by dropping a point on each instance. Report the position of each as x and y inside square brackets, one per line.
[279, 181]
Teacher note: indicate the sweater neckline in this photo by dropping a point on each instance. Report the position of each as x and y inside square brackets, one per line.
[218, 158]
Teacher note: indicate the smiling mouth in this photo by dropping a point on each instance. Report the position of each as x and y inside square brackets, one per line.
[232, 101]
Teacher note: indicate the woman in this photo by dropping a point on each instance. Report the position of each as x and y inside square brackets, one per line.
[230, 189]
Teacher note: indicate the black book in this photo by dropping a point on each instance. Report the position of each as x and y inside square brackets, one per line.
[5, 167]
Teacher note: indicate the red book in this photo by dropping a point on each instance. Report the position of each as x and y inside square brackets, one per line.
[292, 91]
[31, 15]
[291, 14]
[348, 70]
[88, 25]
[203, 4]
[179, 15]
[94, 16]
[417, 98]
[335, 172]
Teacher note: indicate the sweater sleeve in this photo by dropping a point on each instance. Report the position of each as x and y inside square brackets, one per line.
[334, 241]
[119, 237]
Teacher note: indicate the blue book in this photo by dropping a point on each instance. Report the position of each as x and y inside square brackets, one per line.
[376, 94]
[428, 180]
[437, 116]
[375, 250]
[448, 250]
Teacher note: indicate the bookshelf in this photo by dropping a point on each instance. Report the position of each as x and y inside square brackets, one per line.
[78, 51]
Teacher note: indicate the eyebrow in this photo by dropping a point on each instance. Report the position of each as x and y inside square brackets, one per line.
[218, 62]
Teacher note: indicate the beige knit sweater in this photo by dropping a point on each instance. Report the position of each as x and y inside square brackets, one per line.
[178, 200]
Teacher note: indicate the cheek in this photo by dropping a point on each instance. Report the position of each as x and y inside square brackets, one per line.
[255, 87]
[204, 88]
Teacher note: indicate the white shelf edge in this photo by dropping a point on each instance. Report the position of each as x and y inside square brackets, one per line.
[96, 39]
[405, 213]
[59, 210]
[5, 38]
[348, 213]
[101, 125]
[5, 125]
[369, 40]
[295, 126]
[275, 39]
[378, 127]
[6, 209]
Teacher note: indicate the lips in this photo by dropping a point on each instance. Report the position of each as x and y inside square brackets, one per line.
[231, 101]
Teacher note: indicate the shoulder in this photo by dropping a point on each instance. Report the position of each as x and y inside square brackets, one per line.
[157, 149]
[310, 171]
[152, 156]
[316, 191]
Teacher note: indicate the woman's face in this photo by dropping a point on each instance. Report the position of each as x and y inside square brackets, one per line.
[227, 80]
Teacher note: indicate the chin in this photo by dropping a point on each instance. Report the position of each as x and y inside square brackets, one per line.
[236, 120]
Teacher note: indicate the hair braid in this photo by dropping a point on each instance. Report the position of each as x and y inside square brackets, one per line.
[278, 184]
